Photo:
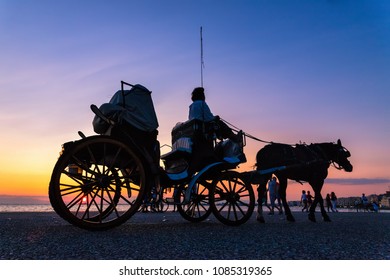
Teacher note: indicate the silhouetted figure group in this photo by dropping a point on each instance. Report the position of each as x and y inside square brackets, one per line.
[366, 204]
[306, 200]
[331, 202]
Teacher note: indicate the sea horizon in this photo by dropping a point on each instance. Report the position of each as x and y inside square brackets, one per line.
[40, 203]
[46, 207]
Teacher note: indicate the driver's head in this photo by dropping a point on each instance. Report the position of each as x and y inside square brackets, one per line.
[198, 94]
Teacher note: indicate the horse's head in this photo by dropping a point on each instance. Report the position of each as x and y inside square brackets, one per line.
[341, 156]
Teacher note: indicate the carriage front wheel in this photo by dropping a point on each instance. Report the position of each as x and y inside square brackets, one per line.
[97, 183]
[198, 208]
[232, 198]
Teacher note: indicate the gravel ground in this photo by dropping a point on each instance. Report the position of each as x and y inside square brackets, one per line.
[166, 236]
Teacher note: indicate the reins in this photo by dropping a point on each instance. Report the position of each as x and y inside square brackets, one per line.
[236, 129]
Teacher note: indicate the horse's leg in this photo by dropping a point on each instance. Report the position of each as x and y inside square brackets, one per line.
[313, 206]
[320, 200]
[261, 192]
[282, 195]
[317, 187]
[324, 214]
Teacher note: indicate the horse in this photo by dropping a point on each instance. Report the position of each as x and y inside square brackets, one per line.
[302, 162]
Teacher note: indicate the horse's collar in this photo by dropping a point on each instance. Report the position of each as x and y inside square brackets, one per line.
[320, 152]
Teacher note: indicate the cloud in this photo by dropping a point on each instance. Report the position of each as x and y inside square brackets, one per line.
[15, 199]
[358, 181]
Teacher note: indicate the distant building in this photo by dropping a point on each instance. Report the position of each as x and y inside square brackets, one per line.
[373, 198]
[385, 202]
[348, 202]
[351, 202]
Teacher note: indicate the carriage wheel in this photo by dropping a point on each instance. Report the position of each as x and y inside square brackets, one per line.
[98, 183]
[232, 199]
[198, 208]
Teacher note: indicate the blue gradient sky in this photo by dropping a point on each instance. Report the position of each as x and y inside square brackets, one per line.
[284, 71]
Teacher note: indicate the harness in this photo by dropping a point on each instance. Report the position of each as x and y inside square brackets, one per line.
[318, 154]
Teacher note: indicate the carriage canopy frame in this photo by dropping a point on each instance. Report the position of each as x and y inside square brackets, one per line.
[134, 107]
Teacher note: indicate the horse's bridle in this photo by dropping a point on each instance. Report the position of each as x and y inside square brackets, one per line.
[347, 154]
[336, 165]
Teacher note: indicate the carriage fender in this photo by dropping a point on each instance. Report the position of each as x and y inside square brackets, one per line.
[191, 185]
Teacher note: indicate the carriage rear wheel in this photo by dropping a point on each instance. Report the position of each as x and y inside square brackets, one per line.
[232, 198]
[198, 208]
[97, 183]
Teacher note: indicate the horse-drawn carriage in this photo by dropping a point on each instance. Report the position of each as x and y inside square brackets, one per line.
[100, 181]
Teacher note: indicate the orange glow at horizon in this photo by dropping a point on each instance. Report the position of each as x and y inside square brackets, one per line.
[24, 184]
[27, 170]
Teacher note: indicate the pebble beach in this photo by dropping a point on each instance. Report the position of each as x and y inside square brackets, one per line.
[167, 236]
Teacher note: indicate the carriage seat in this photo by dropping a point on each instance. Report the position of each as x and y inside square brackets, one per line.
[230, 152]
[193, 128]
[176, 162]
[181, 148]
[192, 143]
[190, 135]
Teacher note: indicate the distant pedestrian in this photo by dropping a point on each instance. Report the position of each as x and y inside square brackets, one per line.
[309, 199]
[304, 201]
[375, 207]
[364, 201]
[333, 199]
[329, 203]
[273, 189]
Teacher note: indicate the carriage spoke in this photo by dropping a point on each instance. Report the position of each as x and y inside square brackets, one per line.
[232, 187]
[69, 190]
[86, 212]
[82, 165]
[240, 208]
[223, 206]
[73, 177]
[235, 211]
[75, 200]
[92, 156]
[111, 167]
[223, 187]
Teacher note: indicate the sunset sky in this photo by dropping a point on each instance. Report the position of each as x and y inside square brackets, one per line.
[283, 71]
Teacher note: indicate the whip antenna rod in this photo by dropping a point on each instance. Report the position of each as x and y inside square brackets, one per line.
[201, 56]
